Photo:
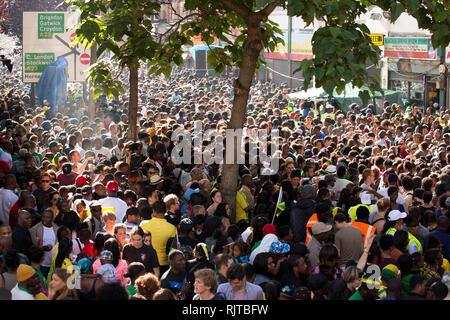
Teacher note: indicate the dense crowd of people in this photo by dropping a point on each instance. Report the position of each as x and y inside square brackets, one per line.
[86, 214]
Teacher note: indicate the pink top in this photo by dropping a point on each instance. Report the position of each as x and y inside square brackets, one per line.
[121, 269]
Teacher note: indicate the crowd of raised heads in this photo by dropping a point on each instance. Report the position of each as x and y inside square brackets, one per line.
[358, 210]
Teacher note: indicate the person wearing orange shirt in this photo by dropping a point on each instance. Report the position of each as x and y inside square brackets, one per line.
[322, 214]
[362, 222]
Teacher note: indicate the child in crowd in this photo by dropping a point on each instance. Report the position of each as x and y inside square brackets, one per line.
[240, 252]
[107, 270]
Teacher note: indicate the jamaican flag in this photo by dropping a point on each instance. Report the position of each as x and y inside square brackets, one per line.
[281, 206]
[290, 108]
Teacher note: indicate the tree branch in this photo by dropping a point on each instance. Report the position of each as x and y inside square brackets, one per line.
[268, 9]
[240, 9]
[172, 26]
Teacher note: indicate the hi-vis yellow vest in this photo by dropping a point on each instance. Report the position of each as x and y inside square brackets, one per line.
[352, 210]
[412, 239]
[327, 115]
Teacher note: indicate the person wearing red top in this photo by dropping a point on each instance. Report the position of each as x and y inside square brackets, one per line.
[89, 249]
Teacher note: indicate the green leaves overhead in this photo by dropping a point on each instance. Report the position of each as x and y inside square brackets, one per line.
[397, 9]
[341, 47]
[121, 27]
[103, 82]
[340, 56]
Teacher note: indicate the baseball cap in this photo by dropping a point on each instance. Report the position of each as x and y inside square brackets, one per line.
[24, 272]
[112, 186]
[395, 215]
[81, 180]
[106, 255]
[320, 227]
[186, 225]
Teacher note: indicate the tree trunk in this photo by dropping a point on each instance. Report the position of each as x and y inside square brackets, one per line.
[91, 102]
[133, 103]
[251, 50]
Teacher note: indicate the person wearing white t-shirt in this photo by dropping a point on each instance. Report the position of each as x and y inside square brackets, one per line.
[28, 285]
[100, 149]
[7, 197]
[341, 182]
[43, 235]
[369, 178]
[111, 202]
[392, 182]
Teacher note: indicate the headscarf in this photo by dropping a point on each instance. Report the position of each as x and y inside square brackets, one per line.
[266, 242]
[85, 265]
[203, 250]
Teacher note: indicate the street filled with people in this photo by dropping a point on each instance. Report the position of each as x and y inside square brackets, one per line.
[87, 214]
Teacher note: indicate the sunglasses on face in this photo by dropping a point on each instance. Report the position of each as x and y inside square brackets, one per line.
[45, 181]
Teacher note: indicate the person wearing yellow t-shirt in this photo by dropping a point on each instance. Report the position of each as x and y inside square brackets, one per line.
[62, 259]
[242, 207]
[161, 232]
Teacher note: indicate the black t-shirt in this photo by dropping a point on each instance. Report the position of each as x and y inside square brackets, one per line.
[146, 254]
[172, 281]
[41, 196]
[136, 161]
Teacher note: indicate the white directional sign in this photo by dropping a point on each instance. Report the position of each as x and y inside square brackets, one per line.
[46, 36]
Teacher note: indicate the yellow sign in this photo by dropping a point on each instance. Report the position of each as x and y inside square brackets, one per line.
[377, 39]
